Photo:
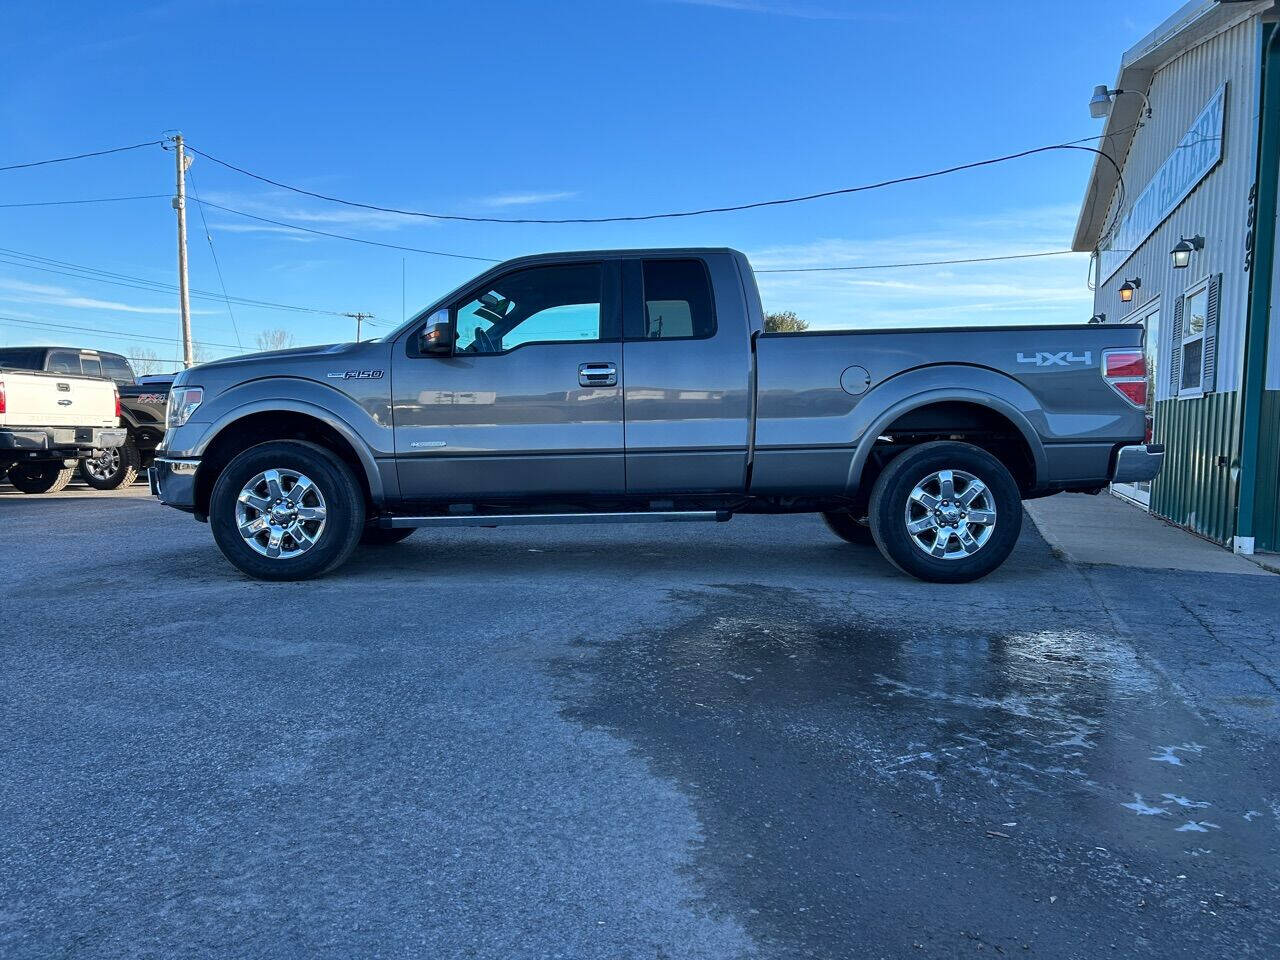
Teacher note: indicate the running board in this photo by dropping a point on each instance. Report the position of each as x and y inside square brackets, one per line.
[512, 519]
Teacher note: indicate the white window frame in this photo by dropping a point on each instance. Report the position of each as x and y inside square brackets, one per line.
[1189, 393]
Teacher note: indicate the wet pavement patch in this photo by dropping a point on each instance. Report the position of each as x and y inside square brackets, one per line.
[874, 777]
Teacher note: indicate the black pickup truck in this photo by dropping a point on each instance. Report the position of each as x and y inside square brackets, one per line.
[142, 403]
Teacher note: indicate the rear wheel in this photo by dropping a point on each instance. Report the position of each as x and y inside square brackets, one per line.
[383, 537]
[286, 510]
[946, 512]
[40, 477]
[112, 468]
[848, 528]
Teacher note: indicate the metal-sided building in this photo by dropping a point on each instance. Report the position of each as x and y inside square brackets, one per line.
[1183, 230]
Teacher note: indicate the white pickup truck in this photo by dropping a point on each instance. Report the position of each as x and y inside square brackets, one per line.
[51, 421]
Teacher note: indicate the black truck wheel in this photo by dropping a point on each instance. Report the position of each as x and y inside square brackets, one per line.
[848, 528]
[946, 512]
[382, 537]
[40, 477]
[112, 468]
[286, 510]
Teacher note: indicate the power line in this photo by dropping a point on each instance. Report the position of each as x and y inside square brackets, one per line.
[918, 263]
[339, 236]
[216, 265]
[64, 203]
[109, 333]
[81, 156]
[142, 283]
[1072, 145]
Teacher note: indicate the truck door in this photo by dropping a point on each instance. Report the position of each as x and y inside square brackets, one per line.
[687, 390]
[530, 401]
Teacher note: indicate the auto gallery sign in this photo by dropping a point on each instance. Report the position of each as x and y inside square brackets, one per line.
[1196, 154]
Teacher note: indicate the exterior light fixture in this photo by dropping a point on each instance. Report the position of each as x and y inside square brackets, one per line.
[1127, 288]
[1102, 99]
[1098, 318]
[1182, 251]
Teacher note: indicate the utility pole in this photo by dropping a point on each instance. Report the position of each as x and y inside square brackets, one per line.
[359, 318]
[180, 205]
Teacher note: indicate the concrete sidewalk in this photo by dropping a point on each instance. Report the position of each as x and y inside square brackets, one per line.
[1107, 530]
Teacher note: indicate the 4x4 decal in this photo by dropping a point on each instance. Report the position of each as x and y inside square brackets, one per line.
[1043, 358]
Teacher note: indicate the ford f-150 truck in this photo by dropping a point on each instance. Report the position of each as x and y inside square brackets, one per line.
[640, 385]
[142, 407]
[49, 422]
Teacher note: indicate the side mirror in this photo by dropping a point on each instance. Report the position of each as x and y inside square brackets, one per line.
[436, 336]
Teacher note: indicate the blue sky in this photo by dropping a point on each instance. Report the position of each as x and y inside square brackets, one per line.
[554, 109]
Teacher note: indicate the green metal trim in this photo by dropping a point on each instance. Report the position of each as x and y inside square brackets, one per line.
[1259, 315]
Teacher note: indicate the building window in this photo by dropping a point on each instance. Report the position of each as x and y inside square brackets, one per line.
[1195, 311]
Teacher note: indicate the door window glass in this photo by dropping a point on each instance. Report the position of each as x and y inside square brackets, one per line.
[553, 304]
[677, 300]
[117, 368]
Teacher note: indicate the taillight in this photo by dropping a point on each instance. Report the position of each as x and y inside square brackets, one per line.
[117, 393]
[2, 406]
[1126, 373]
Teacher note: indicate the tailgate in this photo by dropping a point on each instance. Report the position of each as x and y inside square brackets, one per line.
[53, 400]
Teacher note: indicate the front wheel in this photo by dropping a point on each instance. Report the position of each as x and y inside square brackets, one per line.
[286, 510]
[946, 512]
[40, 477]
[112, 468]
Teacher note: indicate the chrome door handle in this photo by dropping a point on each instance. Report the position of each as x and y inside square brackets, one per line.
[597, 375]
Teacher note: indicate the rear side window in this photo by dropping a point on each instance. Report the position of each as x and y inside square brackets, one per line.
[22, 359]
[677, 300]
[63, 361]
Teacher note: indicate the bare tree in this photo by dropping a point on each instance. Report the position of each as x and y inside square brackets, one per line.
[145, 361]
[275, 339]
[784, 322]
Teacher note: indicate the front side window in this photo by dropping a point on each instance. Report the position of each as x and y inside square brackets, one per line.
[117, 368]
[677, 300]
[555, 304]
[1195, 309]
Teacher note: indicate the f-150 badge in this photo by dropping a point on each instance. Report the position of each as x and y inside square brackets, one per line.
[1044, 358]
[355, 375]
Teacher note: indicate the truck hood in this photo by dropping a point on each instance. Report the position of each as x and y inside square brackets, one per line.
[279, 356]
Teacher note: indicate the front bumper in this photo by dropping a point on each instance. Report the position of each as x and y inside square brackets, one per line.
[1138, 463]
[49, 443]
[174, 482]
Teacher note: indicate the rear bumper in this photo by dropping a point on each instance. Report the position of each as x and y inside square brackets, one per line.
[46, 443]
[174, 482]
[1138, 463]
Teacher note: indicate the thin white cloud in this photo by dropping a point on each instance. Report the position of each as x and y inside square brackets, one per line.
[61, 297]
[279, 205]
[524, 199]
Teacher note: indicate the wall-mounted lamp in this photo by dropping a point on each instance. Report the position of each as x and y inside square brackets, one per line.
[1127, 288]
[1102, 99]
[1098, 318]
[1185, 247]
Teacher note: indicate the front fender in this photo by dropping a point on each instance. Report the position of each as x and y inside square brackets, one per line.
[365, 423]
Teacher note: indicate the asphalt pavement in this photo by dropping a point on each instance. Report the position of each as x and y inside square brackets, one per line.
[683, 741]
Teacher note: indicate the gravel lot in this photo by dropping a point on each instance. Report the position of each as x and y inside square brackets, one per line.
[742, 740]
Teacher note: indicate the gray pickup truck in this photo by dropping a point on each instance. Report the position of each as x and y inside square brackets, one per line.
[640, 385]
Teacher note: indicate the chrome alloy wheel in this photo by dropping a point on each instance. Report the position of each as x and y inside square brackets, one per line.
[950, 514]
[103, 464]
[280, 513]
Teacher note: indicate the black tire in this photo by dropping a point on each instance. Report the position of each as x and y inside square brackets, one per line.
[336, 486]
[382, 537]
[848, 528]
[40, 477]
[113, 468]
[892, 494]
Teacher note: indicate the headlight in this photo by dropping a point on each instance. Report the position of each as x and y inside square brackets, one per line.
[182, 404]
